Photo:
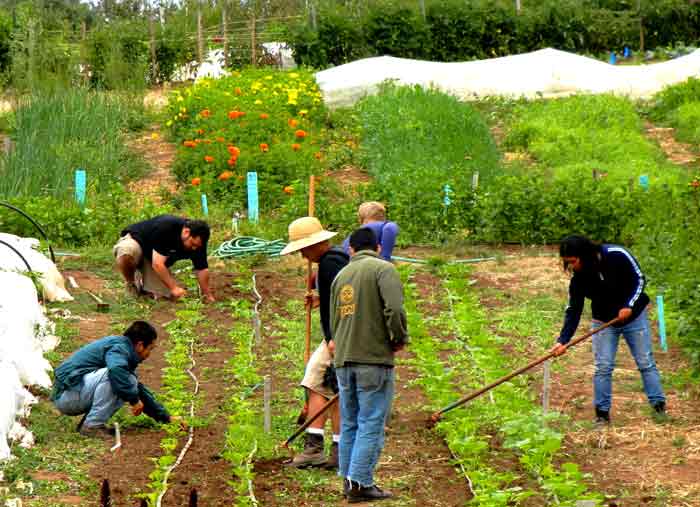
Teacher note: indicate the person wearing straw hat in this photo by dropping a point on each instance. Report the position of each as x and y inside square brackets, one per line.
[307, 235]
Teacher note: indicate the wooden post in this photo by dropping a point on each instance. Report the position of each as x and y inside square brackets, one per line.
[253, 56]
[422, 8]
[200, 35]
[518, 7]
[310, 273]
[641, 27]
[224, 29]
[267, 404]
[154, 60]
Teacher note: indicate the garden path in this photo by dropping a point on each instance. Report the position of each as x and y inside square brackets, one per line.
[636, 461]
[159, 154]
[677, 152]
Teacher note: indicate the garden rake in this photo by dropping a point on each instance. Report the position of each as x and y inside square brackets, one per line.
[438, 415]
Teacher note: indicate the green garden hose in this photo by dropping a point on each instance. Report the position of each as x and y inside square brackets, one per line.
[249, 245]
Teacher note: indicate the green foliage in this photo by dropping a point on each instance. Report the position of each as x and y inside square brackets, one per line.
[58, 133]
[415, 142]
[457, 31]
[665, 103]
[117, 55]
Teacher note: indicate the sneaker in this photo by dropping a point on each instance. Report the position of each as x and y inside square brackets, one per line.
[659, 415]
[100, 431]
[602, 418]
[332, 461]
[346, 487]
[313, 454]
[357, 494]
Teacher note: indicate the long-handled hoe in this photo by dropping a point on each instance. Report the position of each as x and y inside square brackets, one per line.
[438, 415]
[309, 421]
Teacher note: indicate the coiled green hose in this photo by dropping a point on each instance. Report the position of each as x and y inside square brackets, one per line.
[248, 245]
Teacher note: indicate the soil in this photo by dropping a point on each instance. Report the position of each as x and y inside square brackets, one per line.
[160, 155]
[677, 152]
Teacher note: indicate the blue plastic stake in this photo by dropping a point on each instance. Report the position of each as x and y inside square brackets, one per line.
[80, 186]
[626, 52]
[613, 58]
[253, 196]
[662, 322]
[448, 191]
[644, 181]
[205, 205]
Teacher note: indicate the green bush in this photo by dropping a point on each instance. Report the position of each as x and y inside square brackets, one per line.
[672, 97]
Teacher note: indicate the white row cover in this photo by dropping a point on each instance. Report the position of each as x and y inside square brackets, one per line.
[25, 335]
[544, 73]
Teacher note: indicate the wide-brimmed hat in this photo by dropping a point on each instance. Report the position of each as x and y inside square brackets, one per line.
[303, 232]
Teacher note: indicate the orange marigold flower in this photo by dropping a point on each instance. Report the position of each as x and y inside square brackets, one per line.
[292, 122]
[240, 176]
[208, 159]
[238, 91]
[288, 190]
[200, 131]
[264, 116]
[196, 181]
[233, 115]
[318, 155]
[301, 134]
[233, 150]
[232, 161]
[264, 147]
[225, 175]
[190, 144]
[220, 139]
[296, 146]
[205, 113]
[207, 141]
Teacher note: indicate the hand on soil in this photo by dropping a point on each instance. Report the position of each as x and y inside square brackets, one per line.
[558, 349]
[177, 292]
[176, 419]
[137, 408]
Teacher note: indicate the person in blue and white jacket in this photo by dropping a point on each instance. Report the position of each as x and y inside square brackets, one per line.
[372, 215]
[611, 278]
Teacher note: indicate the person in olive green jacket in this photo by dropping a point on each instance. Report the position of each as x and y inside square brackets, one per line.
[369, 326]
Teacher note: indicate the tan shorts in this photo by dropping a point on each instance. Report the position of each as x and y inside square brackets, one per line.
[149, 279]
[315, 368]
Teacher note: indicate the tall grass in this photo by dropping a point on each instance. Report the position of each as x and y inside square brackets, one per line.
[576, 135]
[56, 134]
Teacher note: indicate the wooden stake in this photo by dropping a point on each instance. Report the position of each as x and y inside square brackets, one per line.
[253, 56]
[310, 274]
[267, 397]
[200, 36]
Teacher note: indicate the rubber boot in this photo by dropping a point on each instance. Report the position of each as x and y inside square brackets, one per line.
[313, 454]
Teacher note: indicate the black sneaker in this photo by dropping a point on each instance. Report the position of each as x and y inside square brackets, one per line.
[602, 418]
[346, 487]
[358, 494]
[659, 415]
[100, 431]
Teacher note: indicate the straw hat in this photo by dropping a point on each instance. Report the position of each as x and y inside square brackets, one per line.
[303, 232]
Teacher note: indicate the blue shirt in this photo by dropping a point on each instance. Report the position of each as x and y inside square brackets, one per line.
[386, 233]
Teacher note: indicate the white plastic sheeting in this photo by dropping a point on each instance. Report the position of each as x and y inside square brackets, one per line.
[25, 335]
[212, 66]
[51, 280]
[544, 73]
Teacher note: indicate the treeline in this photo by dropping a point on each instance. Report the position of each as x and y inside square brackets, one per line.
[451, 30]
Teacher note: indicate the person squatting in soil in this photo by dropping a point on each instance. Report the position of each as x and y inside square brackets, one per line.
[611, 278]
[99, 377]
[372, 215]
[308, 236]
[368, 322]
[150, 247]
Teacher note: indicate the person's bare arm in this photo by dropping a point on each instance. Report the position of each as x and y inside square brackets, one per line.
[203, 280]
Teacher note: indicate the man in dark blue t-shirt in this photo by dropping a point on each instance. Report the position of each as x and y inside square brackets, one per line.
[152, 246]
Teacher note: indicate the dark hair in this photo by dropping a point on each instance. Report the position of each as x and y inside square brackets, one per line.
[198, 229]
[141, 331]
[363, 239]
[581, 247]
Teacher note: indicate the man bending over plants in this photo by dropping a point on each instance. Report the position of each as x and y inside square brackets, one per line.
[368, 322]
[98, 378]
[150, 247]
[308, 236]
[372, 215]
[611, 278]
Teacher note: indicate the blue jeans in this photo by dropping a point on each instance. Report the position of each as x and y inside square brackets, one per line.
[638, 338]
[365, 397]
[94, 397]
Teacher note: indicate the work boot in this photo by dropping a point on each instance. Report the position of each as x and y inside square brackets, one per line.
[332, 462]
[602, 418]
[659, 415]
[358, 493]
[100, 431]
[346, 487]
[313, 454]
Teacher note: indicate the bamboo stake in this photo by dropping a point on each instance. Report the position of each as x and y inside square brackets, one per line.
[310, 274]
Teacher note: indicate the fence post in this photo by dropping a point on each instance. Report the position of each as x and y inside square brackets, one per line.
[224, 29]
[200, 35]
[152, 43]
[253, 56]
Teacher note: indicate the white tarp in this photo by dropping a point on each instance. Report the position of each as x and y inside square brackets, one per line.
[544, 73]
[212, 66]
[25, 335]
[51, 280]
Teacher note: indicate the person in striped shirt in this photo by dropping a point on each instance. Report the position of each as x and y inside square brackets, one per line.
[611, 278]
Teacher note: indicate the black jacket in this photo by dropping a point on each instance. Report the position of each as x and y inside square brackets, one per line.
[329, 266]
[616, 282]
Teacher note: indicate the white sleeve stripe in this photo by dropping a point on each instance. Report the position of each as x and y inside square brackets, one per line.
[637, 270]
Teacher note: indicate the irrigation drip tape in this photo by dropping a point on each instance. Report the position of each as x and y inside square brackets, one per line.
[248, 245]
[29, 268]
[34, 222]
